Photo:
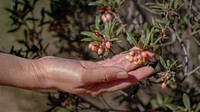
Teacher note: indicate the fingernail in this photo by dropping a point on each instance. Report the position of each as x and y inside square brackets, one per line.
[122, 75]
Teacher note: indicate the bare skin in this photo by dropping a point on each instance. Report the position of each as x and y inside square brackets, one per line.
[73, 76]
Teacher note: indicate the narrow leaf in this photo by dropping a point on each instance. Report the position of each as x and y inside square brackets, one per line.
[162, 61]
[89, 34]
[186, 101]
[120, 29]
[197, 108]
[88, 39]
[97, 22]
[131, 39]
[171, 107]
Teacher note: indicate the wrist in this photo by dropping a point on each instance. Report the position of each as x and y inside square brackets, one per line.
[39, 71]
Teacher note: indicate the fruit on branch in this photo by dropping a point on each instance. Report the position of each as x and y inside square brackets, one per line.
[163, 85]
[106, 17]
[100, 48]
[136, 56]
[108, 45]
[96, 33]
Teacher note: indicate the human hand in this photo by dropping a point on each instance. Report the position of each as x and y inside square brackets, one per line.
[90, 78]
[78, 77]
[134, 75]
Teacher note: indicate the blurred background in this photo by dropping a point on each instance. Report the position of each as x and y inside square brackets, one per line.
[53, 28]
[14, 99]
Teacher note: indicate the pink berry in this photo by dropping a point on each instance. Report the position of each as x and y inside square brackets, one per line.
[135, 58]
[127, 57]
[163, 85]
[100, 51]
[108, 45]
[106, 17]
[139, 56]
[131, 53]
[144, 54]
[130, 59]
[163, 79]
[94, 48]
[90, 46]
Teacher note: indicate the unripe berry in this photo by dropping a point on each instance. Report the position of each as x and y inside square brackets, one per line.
[163, 85]
[108, 45]
[90, 46]
[100, 51]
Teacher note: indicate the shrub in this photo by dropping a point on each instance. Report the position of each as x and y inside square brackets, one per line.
[169, 28]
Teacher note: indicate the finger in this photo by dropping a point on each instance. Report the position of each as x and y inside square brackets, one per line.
[104, 74]
[134, 77]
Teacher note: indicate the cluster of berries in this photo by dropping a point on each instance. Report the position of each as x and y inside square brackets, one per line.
[101, 46]
[164, 79]
[136, 56]
[106, 13]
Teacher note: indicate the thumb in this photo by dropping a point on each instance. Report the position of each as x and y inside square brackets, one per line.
[105, 74]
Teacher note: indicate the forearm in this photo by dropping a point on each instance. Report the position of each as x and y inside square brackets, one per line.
[19, 72]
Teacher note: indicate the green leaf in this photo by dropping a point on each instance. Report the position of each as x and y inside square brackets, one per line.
[171, 107]
[159, 99]
[112, 26]
[113, 39]
[162, 61]
[148, 37]
[98, 3]
[197, 108]
[120, 29]
[107, 29]
[97, 22]
[186, 101]
[131, 39]
[87, 33]
[88, 39]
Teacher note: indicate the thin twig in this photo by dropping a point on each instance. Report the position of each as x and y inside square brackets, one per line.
[191, 72]
[183, 47]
